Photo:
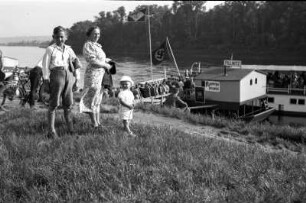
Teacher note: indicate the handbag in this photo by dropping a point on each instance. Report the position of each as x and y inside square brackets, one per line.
[112, 70]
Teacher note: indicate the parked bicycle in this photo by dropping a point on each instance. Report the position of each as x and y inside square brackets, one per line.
[17, 85]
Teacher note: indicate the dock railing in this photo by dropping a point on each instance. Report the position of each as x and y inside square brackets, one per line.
[288, 90]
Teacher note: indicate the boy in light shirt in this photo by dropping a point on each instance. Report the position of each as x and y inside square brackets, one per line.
[126, 99]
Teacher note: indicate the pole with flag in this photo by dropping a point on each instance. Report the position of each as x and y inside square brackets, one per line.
[140, 16]
[173, 58]
[151, 66]
[159, 54]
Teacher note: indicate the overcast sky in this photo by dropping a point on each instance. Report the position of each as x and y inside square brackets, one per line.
[39, 17]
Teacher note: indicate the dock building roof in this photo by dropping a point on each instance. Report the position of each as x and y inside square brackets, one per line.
[217, 73]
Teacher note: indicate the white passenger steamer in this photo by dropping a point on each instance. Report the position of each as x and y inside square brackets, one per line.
[285, 87]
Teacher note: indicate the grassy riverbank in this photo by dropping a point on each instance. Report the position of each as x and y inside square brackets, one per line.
[160, 165]
[278, 137]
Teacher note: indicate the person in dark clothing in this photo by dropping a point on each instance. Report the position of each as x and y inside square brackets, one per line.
[35, 77]
[0, 60]
[2, 75]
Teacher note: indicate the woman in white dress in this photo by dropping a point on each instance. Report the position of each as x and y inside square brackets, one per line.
[97, 65]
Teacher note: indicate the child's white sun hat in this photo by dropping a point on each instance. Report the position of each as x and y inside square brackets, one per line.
[127, 78]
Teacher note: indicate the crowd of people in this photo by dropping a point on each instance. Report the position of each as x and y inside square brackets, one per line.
[291, 79]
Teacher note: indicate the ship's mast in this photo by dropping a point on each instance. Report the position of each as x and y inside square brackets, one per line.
[171, 52]
[150, 44]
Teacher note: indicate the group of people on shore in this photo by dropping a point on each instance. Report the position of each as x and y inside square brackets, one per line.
[60, 79]
[60, 71]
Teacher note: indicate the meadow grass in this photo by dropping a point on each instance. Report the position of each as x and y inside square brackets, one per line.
[160, 165]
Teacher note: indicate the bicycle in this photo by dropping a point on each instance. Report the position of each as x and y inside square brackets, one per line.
[18, 84]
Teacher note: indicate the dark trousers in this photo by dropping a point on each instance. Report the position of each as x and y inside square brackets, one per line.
[35, 77]
[61, 82]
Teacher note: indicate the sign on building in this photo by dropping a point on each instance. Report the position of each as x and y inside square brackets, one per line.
[212, 86]
[232, 63]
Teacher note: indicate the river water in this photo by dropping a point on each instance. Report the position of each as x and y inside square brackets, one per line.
[139, 70]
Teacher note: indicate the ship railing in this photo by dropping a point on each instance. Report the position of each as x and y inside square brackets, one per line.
[288, 90]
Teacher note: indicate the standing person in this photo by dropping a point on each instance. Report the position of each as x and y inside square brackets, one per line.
[97, 65]
[2, 74]
[35, 79]
[0, 60]
[59, 78]
[126, 100]
[174, 100]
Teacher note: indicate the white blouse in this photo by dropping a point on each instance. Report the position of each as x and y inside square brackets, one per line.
[56, 56]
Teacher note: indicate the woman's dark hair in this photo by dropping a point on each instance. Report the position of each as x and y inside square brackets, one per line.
[89, 31]
[58, 29]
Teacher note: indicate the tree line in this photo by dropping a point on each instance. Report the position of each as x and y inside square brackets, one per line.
[273, 29]
[247, 25]
[34, 43]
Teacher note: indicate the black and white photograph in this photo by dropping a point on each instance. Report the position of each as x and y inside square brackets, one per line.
[152, 101]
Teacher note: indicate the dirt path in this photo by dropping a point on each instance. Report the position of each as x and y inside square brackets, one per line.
[139, 117]
[160, 120]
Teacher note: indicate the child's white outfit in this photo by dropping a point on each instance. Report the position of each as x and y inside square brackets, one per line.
[128, 97]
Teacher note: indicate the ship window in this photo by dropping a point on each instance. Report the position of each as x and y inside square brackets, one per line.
[301, 101]
[251, 82]
[293, 101]
[270, 99]
[203, 84]
[255, 80]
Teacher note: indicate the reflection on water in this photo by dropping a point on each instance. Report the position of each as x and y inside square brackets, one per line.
[27, 56]
[138, 70]
[288, 120]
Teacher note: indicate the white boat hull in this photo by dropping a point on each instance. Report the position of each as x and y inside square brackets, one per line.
[288, 104]
[8, 64]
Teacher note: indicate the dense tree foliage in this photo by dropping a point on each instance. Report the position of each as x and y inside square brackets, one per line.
[251, 25]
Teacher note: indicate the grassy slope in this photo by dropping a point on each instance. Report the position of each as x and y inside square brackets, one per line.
[161, 165]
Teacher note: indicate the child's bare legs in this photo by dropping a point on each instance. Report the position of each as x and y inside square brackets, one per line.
[97, 114]
[126, 124]
[93, 119]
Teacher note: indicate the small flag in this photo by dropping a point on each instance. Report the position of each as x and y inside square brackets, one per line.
[158, 55]
[138, 15]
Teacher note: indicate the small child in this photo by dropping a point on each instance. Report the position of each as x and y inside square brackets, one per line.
[126, 99]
